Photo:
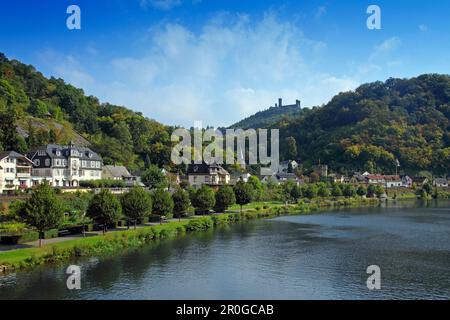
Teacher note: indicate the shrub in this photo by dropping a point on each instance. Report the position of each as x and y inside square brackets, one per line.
[181, 202]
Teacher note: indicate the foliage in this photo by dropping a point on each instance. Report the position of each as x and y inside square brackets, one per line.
[162, 202]
[243, 192]
[136, 204]
[181, 201]
[43, 210]
[154, 178]
[204, 199]
[224, 198]
[104, 208]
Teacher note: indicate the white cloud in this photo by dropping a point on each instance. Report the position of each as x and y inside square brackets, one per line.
[66, 67]
[423, 28]
[234, 66]
[160, 4]
[385, 48]
[320, 11]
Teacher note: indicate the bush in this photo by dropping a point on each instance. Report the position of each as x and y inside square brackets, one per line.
[181, 202]
[199, 224]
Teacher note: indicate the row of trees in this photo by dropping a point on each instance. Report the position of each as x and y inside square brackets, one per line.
[44, 210]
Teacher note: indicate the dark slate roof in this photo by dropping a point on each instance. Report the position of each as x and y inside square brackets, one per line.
[440, 180]
[204, 168]
[51, 150]
[11, 154]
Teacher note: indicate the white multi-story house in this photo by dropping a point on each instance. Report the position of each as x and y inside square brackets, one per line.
[65, 166]
[15, 172]
[212, 175]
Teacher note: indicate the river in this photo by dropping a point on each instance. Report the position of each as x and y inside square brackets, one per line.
[317, 256]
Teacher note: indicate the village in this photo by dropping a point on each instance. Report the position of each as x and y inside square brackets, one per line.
[71, 168]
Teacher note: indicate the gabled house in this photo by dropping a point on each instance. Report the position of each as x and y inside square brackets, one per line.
[239, 177]
[65, 166]
[172, 177]
[375, 179]
[440, 183]
[407, 182]
[207, 174]
[393, 181]
[120, 173]
[321, 170]
[420, 181]
[287, 166]
[15, 172]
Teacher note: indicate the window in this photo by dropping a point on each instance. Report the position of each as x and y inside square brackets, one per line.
[41, 153]
[64, 162]
[97, 164]
[84, 163]
[37, 162]
[47, 162]
[92, 164]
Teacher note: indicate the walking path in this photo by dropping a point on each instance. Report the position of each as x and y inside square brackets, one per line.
[35, 244]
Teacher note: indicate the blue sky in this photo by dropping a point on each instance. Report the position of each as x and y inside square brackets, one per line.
[179, 61]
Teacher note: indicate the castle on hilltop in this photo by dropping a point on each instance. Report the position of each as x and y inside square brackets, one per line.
[280, 104]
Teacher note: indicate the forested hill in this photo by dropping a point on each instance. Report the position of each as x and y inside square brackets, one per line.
[371, 127]
[35, 110]
[268, 117]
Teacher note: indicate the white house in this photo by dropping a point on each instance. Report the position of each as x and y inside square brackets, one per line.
[15, 171]
[393, 181]
[240, 177]
[440, 183]
[65, 166]
[212, 175]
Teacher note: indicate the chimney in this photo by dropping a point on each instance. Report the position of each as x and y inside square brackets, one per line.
[280, 102]
[298, 103]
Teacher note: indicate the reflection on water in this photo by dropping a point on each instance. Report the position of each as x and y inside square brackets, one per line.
[321, 256]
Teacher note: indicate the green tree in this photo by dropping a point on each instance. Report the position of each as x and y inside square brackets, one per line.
[337, 191]
[224, 198]
[43, 211]
[162, 202]
[154, 178]
[181, 202]
[136, 204]
[361, 191]
[204, 199]
[296, 193]
[243, 193]
[371, 191]
[258, 189]
[104, 208]
[349, 190]
[323, 190]
[379, 191]
[311, 191]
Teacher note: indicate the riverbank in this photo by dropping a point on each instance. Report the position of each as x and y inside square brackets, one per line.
[118, 241]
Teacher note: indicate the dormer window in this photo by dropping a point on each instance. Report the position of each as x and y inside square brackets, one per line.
[58, 153]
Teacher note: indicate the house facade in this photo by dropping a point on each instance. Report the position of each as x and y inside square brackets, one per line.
[393, 181]
[440, 182]
[65, 166]
[15, 172]
[207, 174]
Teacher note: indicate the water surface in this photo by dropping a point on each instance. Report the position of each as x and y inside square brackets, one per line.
[319, 256]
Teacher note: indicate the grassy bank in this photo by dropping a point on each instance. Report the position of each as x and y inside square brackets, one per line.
[120, 240]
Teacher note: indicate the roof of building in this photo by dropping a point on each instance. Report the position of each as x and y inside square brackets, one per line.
[441, 180]
[117, 171]
[205, 169]
[376, 177]
[392, 178]
[14, 155]
[52, 150]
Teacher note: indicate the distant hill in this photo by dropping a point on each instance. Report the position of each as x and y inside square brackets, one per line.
[35, 110]
[371, 127]
[266, 118]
